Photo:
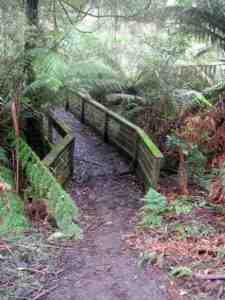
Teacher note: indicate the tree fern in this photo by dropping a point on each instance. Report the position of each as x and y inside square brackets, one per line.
[204, 18]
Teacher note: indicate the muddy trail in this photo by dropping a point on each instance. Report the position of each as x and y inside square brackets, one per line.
[100, 266]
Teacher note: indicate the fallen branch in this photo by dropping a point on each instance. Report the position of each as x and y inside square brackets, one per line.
[45, 292]
[31, 270]
[5, 246]
[209, 277]
[89, 161]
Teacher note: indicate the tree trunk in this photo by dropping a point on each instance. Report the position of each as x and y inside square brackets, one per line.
[32, 128]
[30, 38]
[32, 12]
[183, 174]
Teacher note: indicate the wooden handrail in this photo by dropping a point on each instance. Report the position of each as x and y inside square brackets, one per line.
[146, 139]
[131, 139]
[64, 149]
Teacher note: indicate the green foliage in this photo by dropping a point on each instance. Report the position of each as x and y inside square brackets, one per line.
[146, 258]
[3, 156]
[156, 70]
[174, 142]
[181, 206]
[196, 162]
[12, 213]
[199, 230]
[185, 3]
[6, 175]
[180, 272]
[195, 157]
[203, 18]
[45, 186]
[202, 101]
[193, 229]
[13, 220]
[50, 71]
[154, 205]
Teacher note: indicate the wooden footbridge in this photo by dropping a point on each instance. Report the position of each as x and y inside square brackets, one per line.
[58, 165]
[144, 156]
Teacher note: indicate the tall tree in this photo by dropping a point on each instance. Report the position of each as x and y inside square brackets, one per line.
[32, 11]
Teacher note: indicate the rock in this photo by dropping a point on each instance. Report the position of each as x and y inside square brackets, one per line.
[56, 236]
[186, 99]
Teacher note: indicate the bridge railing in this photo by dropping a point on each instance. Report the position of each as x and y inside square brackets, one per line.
[60, 159]
[145, 157]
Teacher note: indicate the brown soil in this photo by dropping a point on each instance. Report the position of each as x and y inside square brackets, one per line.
[101, 266]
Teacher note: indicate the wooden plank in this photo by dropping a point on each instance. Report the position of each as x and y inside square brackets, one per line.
[129, 144]
[62, 176]
[136, 153]
[143, 177]
[131, 138]
[82, 112]
[50, 159]
[146, 156]
[59, 125]
[106, 136]
[121, 146]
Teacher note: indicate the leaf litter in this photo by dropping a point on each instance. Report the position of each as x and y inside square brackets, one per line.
[29, 266]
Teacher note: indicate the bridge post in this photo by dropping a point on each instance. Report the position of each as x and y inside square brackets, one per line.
[71, 153]
[135, 155]
[83, 111]
[106, 136]
[50, 129]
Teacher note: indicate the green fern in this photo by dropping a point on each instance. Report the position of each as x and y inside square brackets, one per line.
[46, 187]
[205, 19]
[13, 220]
[155, 205]
[50, 72]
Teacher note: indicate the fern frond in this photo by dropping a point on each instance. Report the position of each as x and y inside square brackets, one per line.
[205, 20]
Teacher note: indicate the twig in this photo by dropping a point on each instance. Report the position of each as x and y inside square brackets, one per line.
[45, 292]
[209, 277]
[220, 292]
[31, 270]
[124, 173]
[95, 226]
[60, 272]
[89, 161]
[5, 245]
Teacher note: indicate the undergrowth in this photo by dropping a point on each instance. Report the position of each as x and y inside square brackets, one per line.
[28, 265]
[156, 208]
[45, 187]
[12, 213]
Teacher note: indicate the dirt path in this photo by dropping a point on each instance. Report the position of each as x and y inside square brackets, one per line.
[100, 267]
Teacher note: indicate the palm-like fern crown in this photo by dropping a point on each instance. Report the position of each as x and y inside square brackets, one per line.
[205, 18]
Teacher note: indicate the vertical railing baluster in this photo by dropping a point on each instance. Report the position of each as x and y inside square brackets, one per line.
[83, 111]
[106, 127]
[50, 129]
[135, 153]
[71, 160]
